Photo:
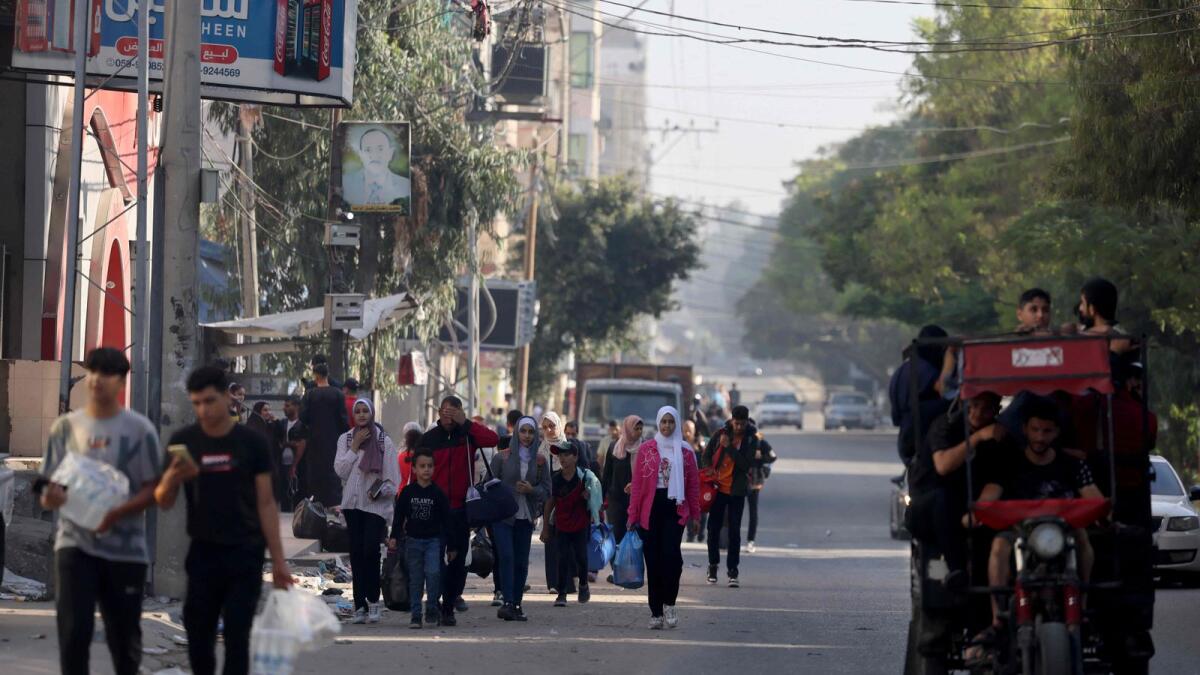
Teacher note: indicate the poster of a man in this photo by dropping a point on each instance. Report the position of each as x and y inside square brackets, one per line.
[375, 166]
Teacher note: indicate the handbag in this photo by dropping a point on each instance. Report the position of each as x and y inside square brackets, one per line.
[709, 485]
[309, 520]
[490, 501]
[481, 561]
[393, 582]
[336, 538]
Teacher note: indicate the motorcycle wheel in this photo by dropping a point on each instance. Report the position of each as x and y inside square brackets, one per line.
[1054, 652]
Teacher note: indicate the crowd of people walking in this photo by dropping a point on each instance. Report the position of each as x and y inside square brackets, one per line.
[237, 466]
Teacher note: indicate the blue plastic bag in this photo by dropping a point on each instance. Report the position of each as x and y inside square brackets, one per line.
[601, 547]
[629, 570]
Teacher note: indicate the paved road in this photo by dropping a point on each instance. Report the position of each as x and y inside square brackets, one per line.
[826, 593]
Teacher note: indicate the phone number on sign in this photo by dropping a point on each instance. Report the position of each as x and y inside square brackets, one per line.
[221, 72]
[132, 63]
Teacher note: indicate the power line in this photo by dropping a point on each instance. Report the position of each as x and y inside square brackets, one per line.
[981, 5]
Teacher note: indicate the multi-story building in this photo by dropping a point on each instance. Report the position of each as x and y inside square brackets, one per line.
[623, 148]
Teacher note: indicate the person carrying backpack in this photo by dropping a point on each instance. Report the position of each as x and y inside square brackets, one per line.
[574, 505]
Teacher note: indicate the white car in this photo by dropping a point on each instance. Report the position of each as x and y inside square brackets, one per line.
[1175, 522]
[780, 408]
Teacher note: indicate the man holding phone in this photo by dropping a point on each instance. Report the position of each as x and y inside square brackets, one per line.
[225, 470]
[107, 566]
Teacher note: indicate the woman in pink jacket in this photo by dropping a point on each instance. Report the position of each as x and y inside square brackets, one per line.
[665, 495]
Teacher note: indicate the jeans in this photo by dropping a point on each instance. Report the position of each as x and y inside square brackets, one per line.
[513, 542]
[366, 531]
[572, 557]
[83, 581]
[224, 582]
[661, 549]
[752, 498]
[454, 573]
[424, 560]
[733, 506]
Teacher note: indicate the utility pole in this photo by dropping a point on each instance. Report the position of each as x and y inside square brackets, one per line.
[337, 255]
[141, 302]
[247, 114]
[530, 269]
[72, 244]
[472, 317]
[181, 341]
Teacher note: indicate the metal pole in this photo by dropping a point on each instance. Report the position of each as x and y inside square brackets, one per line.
[140, 301]
[249, 200]
[72, 253]
[530, 268]
[472, 319]
[337, 259]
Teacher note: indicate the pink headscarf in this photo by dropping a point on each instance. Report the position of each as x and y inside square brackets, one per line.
[629, 437]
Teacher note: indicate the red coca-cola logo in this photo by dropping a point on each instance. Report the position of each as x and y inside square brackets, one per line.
[326, 31]
[127, 46]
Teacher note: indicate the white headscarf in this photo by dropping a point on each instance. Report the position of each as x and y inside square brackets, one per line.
[671, 449]
[547, 440]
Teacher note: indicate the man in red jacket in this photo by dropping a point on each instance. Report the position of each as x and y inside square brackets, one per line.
[454, 441]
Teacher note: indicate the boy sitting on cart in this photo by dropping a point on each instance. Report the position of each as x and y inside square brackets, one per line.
[1041, 472]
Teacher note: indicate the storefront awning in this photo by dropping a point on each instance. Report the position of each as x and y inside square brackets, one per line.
[377, 313]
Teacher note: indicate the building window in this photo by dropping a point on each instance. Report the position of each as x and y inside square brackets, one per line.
[582, 63]
[577, 153]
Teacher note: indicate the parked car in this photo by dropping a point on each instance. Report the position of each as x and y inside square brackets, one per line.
[749, 370]
[1176, 523]
[780, 408]
[898, 511]
[851, 410]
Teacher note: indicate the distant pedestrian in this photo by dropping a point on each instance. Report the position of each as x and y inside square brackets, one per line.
[695, 528]
[261, 420]
[735, 395]
[454, 440]
[760, 470]
[552, 435]
[568, 518]
[665, 496]
[412, 438]
[506, 440]
[527, 473]
[350, 393]
[237, 403]
[293, 438]
[368, 465]
[107, 566]
[324, 414]
[618, 474]
[727, 459]
[420, 524]
[698, 418]
[225, 472]
[319, 360]
[606, 443]
[510, 427]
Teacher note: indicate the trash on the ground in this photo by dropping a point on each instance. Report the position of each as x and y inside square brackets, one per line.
[17, 587]
[828, 533]
[39, 636]
[344, 608]
[332, 591]
[179, 640]
[154, 651]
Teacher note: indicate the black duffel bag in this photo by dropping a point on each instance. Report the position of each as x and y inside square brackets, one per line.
[336, 538]
[308, 520]
[492, 502]
[393, 582]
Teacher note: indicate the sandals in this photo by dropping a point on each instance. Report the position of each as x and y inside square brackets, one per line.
[979, 653]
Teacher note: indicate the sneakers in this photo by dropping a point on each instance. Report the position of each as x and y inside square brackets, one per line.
[360, 616]
[461, 605]
[415, 624]
[734, 583]
[561, 600]
[497, 599]
[448, 619]
[506, 612]
[585, 593]
[712, 574]
[751, 548]
[656, 623]
[519, 614]
[671, 616]
[432, 616]
[373, 613]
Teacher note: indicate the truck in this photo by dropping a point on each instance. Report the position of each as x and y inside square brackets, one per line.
[612, 391]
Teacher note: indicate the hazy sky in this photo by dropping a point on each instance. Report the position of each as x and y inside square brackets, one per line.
[694, 82]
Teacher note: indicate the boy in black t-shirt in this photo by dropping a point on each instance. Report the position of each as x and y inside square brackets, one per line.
[225, 470]
[421, 517]
[1041, 472]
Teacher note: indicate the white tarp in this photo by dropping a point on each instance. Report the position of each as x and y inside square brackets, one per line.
[378, 313]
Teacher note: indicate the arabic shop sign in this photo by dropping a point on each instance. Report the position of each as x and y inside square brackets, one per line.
[283, 52]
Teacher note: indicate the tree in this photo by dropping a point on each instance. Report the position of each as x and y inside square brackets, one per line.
[608, 258]
[410, 66]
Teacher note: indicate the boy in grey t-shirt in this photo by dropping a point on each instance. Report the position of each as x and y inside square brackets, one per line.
[106, 566]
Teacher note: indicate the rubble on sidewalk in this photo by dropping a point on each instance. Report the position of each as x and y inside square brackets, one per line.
[331, 580]
[22, 589]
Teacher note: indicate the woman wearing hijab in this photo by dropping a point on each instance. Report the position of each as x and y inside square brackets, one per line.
[664, 497]
[369, 466]
[618, 474]
[553, 433]
[524, 470]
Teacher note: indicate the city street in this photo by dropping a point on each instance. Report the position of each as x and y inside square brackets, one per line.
[825, 593]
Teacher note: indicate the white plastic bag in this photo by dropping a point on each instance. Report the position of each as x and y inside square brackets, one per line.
[93, 489]
[290, 622]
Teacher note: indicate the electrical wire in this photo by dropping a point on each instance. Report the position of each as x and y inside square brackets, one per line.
[982, 5]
